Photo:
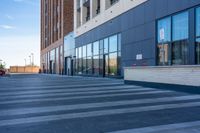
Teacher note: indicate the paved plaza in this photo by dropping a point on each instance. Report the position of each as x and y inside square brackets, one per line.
[61, 104]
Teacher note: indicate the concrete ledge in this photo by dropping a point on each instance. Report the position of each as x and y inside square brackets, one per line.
[176, 75]
[174, 87]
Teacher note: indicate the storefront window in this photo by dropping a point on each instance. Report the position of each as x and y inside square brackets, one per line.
[198, 51]
[197, 47]
[96, 48]
[102, 57]
[179, 53]
[164, 24]
[96, 65]
[173, 51]
[113, 43]
[198, 22]
[180, 24]
[89, 65]
[164, 44]
[180, 35]
[89, 50]
[106, 46]
[113, 64]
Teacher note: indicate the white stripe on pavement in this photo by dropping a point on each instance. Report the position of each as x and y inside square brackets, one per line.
[66, 86]
[70, 90]
[65, 93]
[21, 111]
[80, 97]
[95, 113]
[162, 128]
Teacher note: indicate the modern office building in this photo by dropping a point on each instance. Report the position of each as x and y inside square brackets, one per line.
[56, 23]
[113, 34]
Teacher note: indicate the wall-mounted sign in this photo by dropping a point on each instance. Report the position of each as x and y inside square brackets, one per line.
[139, 57]
[162, 34]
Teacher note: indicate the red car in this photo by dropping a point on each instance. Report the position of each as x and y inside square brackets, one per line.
[2, 72]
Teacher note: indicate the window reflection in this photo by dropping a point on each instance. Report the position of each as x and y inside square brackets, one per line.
[100, 58]
[173, 51]
[96, 65]
[106, 46]
[180, 26]
[96, 48]
[198, 51]
[113, 43]
[113, 64]
[197, 47]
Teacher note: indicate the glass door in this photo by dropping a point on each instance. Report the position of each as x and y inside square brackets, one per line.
[106, 65]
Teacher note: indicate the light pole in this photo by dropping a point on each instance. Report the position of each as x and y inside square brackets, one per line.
[25, 61]
[32, 54]
[30, 59]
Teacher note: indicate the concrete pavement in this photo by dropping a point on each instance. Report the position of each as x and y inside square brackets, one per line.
[56, 104]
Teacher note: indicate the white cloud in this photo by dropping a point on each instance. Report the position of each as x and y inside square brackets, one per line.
[8, 27]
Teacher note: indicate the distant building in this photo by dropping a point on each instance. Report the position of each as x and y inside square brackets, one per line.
[24, 69]
[56, 22]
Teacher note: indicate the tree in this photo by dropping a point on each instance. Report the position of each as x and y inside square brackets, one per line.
[2, 66]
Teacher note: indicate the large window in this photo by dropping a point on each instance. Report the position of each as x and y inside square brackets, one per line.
[180, 26]
[102, 57]
[173, 46]
[89, 59]
[163, 44]
[84, 59]
[197, 47]
[180, 39]
[113, 43]
[80, 56]
[164, 24]
[96, 52]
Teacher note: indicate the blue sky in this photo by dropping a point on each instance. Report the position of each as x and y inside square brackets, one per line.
[19, 31]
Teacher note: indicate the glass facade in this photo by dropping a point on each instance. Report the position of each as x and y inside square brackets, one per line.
[100, 58]
[163, 44]
[173, 48]
[197, 46]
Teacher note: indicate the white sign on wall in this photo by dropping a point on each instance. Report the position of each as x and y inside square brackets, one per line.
[139, 57]
[162, 34]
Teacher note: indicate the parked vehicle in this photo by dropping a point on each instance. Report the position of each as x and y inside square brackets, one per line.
[2, 72]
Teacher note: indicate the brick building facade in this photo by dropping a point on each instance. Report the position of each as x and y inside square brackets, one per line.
[56, 22]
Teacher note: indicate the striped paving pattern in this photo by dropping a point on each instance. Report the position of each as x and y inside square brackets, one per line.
[56, 104]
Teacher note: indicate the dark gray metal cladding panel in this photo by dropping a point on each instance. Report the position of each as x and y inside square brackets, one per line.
[138, 29]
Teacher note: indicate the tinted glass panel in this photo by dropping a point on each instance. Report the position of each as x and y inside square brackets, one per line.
[89, 50]
[84, 51]
[119, 42]
[198, 22]
[163, 54]
[179, 53]
[101, 61]
[80, 52]
[198, 51]
[106, 46]
[113, 43]
[96, 65]
[180, 26]
[80, 66]
[89, 65]
[166, 25]
[96, 48]
[101, 47]
[84, 65]
[113, 64]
